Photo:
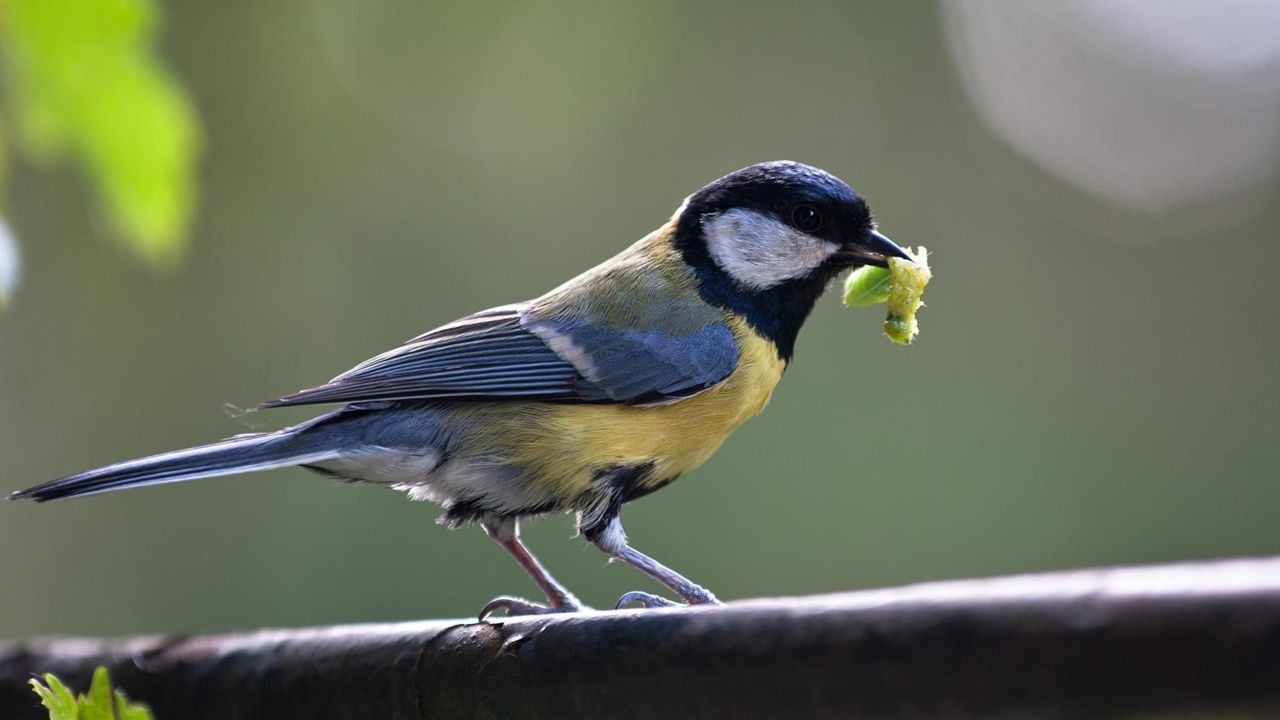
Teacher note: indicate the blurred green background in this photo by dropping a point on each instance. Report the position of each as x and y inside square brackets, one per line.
[1095, 382]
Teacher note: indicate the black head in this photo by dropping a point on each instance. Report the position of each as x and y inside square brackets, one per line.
[765, 242]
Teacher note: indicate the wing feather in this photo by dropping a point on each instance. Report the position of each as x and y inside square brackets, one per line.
[652, 341]
[486, 355]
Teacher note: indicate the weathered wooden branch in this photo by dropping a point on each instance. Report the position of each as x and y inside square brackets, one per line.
[1176, 641]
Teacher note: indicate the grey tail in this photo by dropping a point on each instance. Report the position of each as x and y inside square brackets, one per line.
[243, 453]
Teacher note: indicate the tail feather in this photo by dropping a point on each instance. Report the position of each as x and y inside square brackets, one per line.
[244, 453]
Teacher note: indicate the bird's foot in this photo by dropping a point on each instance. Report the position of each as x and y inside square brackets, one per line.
[649, 600]
[514, 606]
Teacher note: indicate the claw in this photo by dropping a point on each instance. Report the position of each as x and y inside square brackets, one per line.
[514, 606]
[645, 599]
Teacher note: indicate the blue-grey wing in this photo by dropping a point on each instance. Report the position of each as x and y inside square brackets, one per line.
[642, 365]
[637, 327]
[505, 354]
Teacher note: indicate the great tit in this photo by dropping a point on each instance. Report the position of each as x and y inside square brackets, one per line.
[599, 392]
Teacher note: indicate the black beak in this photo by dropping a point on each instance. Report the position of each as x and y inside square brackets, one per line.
[875, 249]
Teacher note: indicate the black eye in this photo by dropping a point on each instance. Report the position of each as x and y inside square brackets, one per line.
[806, 218]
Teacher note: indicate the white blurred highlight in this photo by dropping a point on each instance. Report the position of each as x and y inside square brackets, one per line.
[10, 262]
[1149, 105]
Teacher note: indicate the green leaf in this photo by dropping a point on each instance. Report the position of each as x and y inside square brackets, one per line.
[100, 703]
[86, 82]
[56, 698]
[867, 285]
[97, 703]
[125, 711]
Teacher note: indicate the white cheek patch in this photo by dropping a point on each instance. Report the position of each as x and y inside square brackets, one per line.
[760, 252]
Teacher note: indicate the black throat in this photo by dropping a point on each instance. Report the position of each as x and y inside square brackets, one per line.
[776, 313]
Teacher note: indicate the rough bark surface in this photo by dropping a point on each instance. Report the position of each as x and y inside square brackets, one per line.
[1178, 641]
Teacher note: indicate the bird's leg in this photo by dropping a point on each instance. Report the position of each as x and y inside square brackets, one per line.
[506, 532]
[609, 537]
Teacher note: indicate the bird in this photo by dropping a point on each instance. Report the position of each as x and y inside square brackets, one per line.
[603, 390]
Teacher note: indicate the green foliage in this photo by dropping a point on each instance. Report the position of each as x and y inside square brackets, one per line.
[85, 81]
[100, 703]
[56, 698]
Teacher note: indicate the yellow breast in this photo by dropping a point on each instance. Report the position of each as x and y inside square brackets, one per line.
[563, 446]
